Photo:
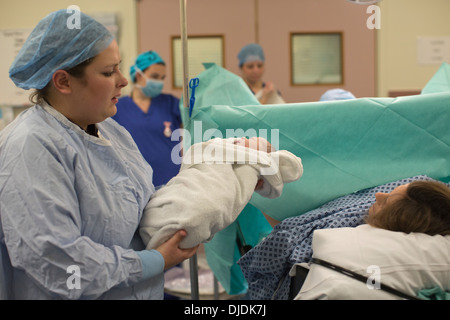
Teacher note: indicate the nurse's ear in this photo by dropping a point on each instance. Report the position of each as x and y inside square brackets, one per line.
[61, 81]
[140, 80]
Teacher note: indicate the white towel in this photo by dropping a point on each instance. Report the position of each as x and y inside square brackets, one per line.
[216, 181]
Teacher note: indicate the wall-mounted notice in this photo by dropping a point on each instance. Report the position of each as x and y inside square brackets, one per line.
[11, 41]
[433, 50]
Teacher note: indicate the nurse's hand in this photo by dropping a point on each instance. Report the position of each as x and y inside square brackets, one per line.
[268, 89]
[171, 251]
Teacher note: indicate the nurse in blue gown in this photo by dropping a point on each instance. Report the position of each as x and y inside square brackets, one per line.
[73, 184]
[152, 116]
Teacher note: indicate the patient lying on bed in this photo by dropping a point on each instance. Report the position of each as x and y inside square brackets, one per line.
[216, 180]
[420, 206]
[406, 242]
[408, 219]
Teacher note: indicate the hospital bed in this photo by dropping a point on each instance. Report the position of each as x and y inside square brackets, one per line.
[345, 146]
[336, 233]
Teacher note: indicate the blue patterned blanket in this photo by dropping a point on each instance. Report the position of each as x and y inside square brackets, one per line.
[266, 267]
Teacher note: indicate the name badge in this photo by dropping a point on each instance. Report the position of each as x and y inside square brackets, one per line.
[167, 131]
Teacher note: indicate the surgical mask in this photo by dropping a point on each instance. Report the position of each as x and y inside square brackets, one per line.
[152, 88]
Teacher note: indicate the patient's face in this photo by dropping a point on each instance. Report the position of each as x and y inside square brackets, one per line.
[384, 199]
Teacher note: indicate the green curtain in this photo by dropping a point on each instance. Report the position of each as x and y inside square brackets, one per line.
[345, 146]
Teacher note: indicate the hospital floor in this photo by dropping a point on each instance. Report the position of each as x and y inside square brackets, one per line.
[178, 284]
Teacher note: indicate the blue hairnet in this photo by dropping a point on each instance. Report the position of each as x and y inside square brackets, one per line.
[250, 52]
[337, 94]
[55, 44]
[143, 61]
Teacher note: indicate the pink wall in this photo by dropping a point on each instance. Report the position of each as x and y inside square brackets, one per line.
[283, 17]
[159, 20]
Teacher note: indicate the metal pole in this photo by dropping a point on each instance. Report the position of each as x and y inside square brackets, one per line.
[193, 265]
[184, 48]
[216, 288]
[193, 271]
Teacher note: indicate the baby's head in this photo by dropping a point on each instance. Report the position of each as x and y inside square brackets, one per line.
[256, 144]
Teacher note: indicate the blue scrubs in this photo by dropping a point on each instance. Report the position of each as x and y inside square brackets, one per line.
[152, 132]
[70, 205]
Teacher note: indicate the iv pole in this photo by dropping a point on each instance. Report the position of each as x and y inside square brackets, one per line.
[184, 48]
[193, 265]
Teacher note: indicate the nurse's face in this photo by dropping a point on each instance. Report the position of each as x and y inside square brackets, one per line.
[154, 72]
[253, 71]
[96, 94]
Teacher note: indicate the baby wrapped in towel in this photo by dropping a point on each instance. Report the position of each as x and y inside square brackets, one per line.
[216, 181]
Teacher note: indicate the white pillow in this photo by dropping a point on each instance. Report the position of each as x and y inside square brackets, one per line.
[406, 262]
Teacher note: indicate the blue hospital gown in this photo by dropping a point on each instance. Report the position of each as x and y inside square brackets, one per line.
[266, 267]
[71, 199]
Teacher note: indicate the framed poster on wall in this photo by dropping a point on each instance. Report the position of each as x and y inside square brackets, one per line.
[201, 49]
[317, 58]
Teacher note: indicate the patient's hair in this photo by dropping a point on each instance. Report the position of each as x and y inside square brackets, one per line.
[425, 208]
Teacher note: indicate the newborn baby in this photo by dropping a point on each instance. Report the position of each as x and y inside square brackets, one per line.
[216, 181]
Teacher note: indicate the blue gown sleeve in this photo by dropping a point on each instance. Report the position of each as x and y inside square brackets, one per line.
[152, 263]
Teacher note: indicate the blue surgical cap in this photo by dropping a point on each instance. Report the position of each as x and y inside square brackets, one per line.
[56, 43]
[250, 52]
[143, 61]
[337, 94]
